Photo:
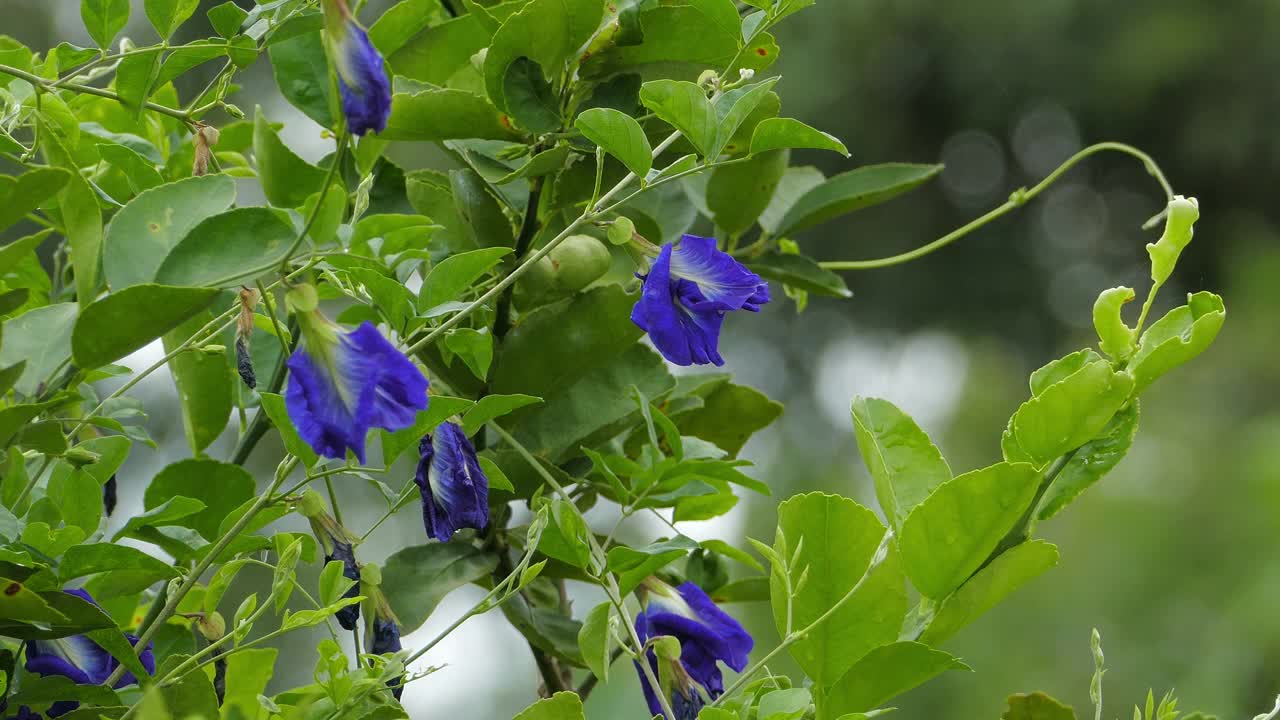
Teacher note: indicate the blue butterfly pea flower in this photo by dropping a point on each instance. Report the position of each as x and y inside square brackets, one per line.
[686, 294]
[80, 660]
[362, 79]
[707, 636]
[343, 384]
[384, 636]
[455, 491]
[343, 552]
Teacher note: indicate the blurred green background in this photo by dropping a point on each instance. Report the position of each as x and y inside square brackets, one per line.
[1171, 557]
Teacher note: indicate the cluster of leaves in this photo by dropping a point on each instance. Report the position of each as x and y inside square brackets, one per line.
[540, 106]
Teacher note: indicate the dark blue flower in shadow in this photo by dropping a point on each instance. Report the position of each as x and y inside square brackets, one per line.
[80, 660]
[344, 553]
[455, 492]
[386, 639]
[343, 384]
[685, 296]
[707, 636]
[362, 79]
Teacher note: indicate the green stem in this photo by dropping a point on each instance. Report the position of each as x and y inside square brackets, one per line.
[312, 216]
[610, 584]
[148, 631]
[1016, 200]
[43, 84]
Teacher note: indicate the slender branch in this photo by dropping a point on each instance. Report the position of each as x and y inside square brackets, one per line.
[338, 155]
[610, 584]
[528, 229]
[1016, 200]
[90, 90]
[148, 631]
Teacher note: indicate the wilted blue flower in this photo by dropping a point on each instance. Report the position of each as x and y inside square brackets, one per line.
[362, 79]
[707, 635]
[686, 294]
[385, 638]
[343, 552]
[455, 492]
[81, 660]
[342, 384]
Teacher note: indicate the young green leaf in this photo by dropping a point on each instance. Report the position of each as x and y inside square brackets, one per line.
[104, 19]
[1176, 338]
[620, 135]
[946, 538]
[167, 15]
[1064, 414]
[778, 133]
[1009, 571]
[684, 106]
[904, 464]
[852, 191]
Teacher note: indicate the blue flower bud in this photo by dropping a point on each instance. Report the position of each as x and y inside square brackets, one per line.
[385, 638]
[455, 492]
[362, 79]
[343, 552]
[686, 294]
[707, 636]
[343, 384]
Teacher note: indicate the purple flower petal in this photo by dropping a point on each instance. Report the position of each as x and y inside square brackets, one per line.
[455, 491]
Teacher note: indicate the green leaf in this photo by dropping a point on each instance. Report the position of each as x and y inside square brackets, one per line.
[1176, 338]
[167, 15]
[402, 22]
[795, 184]
[248, 672]
[1067, 413]
[530, 98]
[681, 39]
[1036, 706]
[457, 274]
[548, 32]
[1115, 338]
[205, 386]
[491, 407]
[104, 19]
[784, 704]
[837, 539]
[229, 248]
[949, 535]
[544, 163]
[219, 487]
[1093, 460]
[433, 54]
[555, 344]
[301, 71]
[131, 570]
[18, 250]
[854, 190]
[885, 673]
[39, 692]
[798, 271]
[1009, 571]
[18, 602]
[473, 347]
[190, 695]
[598, 403]
[227, 18]
[273, 406]
[287, 180]
[778, 133]
[735, 106]
[738, 194]
[619, 135]
[561, 706]
[633, 565]
[42, 338]
[444, 114]
[125, 321]
[26, 192]
[595, 641]
[729, 416]
[684, 106]
[79, 499]
[138, 171]
[136, 77]
[81, 219]
[145, 230]
[905, 465]
[417, 578]
[1180, 215]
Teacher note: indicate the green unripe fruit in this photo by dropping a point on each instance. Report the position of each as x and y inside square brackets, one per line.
[622, 231]
[536, 281]
[579, 261]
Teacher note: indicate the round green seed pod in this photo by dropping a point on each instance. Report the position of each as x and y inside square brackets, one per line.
[536, 281]
[579, 261]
